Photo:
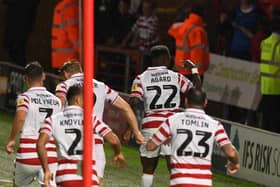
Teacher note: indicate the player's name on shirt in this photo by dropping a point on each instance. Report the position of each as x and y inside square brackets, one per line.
[160, 77]
[45, 100]
[71, 122]
[197, 121]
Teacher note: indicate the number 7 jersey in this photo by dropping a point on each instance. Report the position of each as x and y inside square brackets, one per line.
[38, 103]
[160, 90]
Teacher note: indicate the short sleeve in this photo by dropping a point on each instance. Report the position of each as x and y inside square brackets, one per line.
[47, 127]
[22, 102]
[221, 137]
[110, 95]
[100, 127]
[162, 134]
[61, 90]
[185, 84]
[137, 88]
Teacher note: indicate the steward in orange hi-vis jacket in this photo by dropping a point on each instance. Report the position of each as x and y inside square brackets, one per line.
[191, 43]
[65, 32]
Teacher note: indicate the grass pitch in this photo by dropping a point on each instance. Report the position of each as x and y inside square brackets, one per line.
[130, 176]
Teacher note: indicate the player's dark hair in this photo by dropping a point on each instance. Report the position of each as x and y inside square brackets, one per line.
[33, 71]
[196, 97]
[72, 66]
[74, 91]
[157, 53]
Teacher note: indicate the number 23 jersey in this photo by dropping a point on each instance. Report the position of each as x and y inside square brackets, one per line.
[193, 134]
[160, 90]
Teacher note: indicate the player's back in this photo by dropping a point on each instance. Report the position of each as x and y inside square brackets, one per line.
[161, 89]
[101, 91]
[193, 135]
[39, 104]
[67, 129]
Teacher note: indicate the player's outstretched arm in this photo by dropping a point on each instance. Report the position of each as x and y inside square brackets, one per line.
[232, 155]
[118, 159]
[127, 111]
[42, 152]
[188, 64]
[16, 128]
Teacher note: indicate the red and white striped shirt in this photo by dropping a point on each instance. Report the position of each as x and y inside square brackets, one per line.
[193, 134]
[38, 103]
[102, 94]
[147, 30]
[101, 91]
[66, 127]
[160, 90]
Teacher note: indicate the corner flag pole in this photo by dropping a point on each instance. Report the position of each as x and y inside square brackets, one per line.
[88, 57]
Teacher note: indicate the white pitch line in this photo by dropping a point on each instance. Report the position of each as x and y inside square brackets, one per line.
[6, 181]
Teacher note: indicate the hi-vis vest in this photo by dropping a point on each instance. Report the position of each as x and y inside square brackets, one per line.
[65, 32]
[192, 44]
[270, 65]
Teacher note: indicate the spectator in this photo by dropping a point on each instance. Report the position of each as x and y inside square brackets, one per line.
[244, 24]
[105, 10]
[20, 21]
[134, 7]
[65, 32]
[191, 41]
[122, 23]
[223, 34]
[270, 74]
[145, 32]
[262, 32]
[224, 27]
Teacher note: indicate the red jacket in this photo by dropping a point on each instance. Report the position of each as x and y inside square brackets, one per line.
[191, 43]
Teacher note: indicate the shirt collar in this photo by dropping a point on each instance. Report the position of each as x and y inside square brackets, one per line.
[37, 88]
[77, 75]
[157, 67]
[73, 107]
[195, 110]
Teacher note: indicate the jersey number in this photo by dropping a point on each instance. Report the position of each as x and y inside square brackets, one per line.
[47, 111]
[205, 136]
[168, 101]
[94, 99]
[71, 150]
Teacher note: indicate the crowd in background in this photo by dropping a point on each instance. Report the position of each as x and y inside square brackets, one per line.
[240, 25]
[240, 28]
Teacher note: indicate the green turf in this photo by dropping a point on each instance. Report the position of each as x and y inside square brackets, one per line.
[130, 176]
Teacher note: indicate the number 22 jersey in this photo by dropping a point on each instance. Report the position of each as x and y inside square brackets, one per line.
[38, 103]
[160, 90]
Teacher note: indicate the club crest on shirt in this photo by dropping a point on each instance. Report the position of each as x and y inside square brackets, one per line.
[134, 87]
[20, 102]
